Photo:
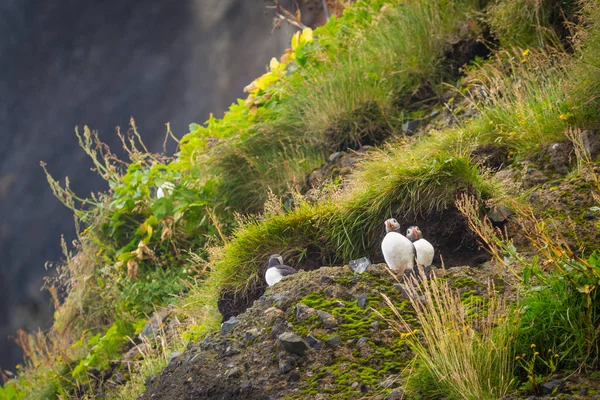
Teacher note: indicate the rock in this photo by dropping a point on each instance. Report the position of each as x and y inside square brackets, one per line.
[410, 127]
[313, 342]
[283, 299]
[360, 265]
[231, 351]
[207, 344]
[389, 382]
[228, 325]
[533, 177]
[136, 351]
[550, 386]
[333, 341]
[155, 322]
[361, 300]
[293, 343]
[375, 325]
[118, 378]
[333, 157]
[328, 320]
[278, 327]
[233, 373]
[245, 387]
[402, 289]
[250, 335]
[293, 376]
[584, 392]
[364, 347]
[591, 143]
[149, 380]
[395, 395]
[173, 356]
[589, 216]
[286, 363]
[364, 388]
[499, 214]
[506, 175]
[560, 156]
[272, 314]
[304, 312]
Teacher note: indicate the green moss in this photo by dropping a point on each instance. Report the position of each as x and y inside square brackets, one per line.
[387, 356]
[466, 281]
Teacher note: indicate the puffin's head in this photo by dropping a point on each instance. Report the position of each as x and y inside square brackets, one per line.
[391, 225]
[274, 260]
[414, 233]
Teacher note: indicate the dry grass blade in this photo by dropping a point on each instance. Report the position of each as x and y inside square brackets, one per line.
[464, 348]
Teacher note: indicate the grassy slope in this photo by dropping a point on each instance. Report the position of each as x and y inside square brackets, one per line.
[353, 89]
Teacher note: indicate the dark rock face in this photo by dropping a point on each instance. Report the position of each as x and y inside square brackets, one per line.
[98, 64]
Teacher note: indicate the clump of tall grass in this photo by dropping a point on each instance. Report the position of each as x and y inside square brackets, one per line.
[459, 354]
[584, 85]
[523, 102]
[524, 23]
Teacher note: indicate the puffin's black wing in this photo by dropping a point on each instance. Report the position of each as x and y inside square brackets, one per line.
[284, 270]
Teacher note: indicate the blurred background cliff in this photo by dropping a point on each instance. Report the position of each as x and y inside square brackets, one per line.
[69, 63]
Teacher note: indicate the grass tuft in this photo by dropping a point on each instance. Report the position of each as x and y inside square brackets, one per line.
[462, 356]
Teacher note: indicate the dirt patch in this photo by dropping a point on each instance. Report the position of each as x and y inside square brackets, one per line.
[467, 49]
[491, 156]
[366, 125]
[449, 234]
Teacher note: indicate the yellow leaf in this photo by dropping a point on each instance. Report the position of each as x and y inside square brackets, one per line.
[307, 36]
[295, 40]
[252, 87]
[249, 100]
[274, 64]
[285, 58]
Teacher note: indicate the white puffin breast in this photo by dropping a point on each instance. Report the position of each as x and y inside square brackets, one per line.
[398, 251]
[425, 252]
[272, 276]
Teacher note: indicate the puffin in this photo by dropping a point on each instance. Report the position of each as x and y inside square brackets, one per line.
[423, 248]
[276, 271]
[165, 190]
[398, 252]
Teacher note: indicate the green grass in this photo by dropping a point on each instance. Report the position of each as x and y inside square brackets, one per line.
[555, 318]
[584, 85]
[351, 93]
[524, 23]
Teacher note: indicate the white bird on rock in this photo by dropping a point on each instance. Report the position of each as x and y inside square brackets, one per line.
[276, 271]
[423, 248]
[398, 251]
